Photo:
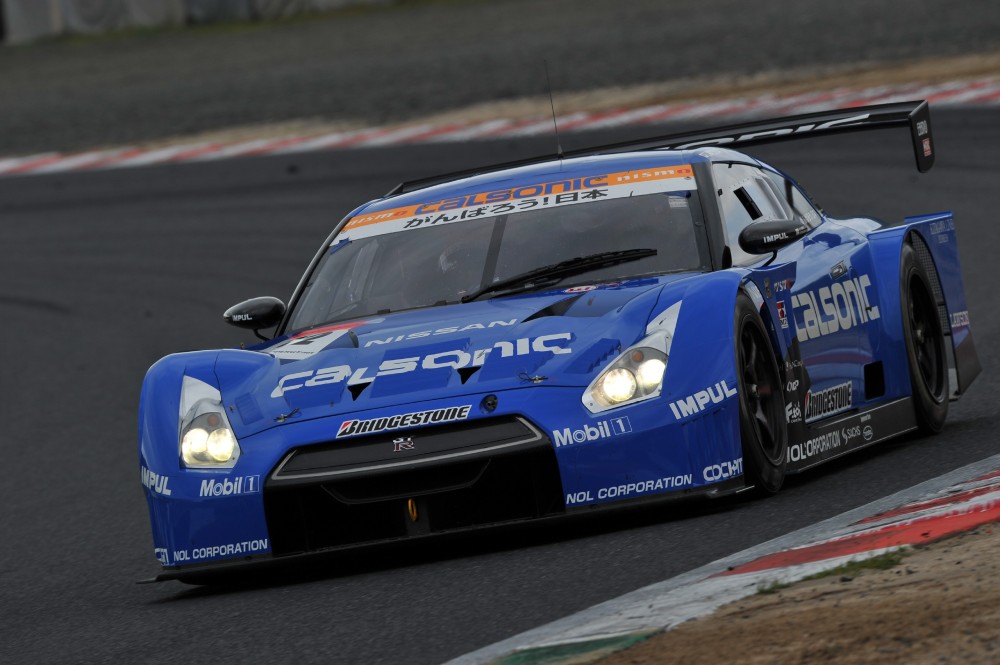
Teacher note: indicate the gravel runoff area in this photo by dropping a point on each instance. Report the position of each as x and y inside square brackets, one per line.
[939, 604]
[392, 63]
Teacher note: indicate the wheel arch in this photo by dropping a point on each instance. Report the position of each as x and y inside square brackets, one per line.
[933, 238]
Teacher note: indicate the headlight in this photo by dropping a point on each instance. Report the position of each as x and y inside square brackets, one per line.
[206, 439]
[617, 386]
[636, 374]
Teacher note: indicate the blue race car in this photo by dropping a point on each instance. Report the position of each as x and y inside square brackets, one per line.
[648, 320]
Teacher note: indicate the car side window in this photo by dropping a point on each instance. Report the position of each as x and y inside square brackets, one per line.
[794, 200]
[746, 195]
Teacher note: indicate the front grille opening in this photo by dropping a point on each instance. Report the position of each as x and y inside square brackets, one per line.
[450, 497]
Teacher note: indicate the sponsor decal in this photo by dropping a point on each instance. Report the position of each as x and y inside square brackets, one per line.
[782, 316]
[840, 306]
[527, 197]
[230, 486]
[242, 317]
[960, 319]
[780, 131]
[868, 433]
[783, 285]
[630, 489]
[698, 402]
[940, 230]
[823, 403]
[402, 443]
[154, 482]
[838, 270]
[792, 364]
[922, 128]
[162, 555]
[792, 385]
[580, 289]
[848, 433]
[729, 469]
[308, 343]
[603, 429]
[793, 412]
[927, 147]
[388, 423]
[439, 331]
[456, 359]
[230, 549]
[814, 446]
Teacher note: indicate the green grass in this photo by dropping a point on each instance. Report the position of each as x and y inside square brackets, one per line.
[850, 569]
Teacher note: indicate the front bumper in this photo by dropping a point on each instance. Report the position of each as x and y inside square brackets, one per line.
[297, 489]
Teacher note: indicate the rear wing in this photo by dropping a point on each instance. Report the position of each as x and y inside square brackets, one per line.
[915, 115]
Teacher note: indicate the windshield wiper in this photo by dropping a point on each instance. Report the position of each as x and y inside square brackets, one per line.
[553, 273]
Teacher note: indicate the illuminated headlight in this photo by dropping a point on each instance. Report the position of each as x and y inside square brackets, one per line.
[617, 386]
[206, 438]
[636, 374]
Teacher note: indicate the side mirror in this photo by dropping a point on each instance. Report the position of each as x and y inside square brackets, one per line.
[256, 314]
[771, 235]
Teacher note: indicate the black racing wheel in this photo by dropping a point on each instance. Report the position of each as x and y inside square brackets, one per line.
[925, 343]
[763, 428]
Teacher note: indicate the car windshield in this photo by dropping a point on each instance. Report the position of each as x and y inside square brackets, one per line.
[436, 264]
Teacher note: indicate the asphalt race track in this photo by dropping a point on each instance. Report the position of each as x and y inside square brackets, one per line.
[103, 273]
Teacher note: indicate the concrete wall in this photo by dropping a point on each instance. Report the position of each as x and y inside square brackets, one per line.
[26, 20]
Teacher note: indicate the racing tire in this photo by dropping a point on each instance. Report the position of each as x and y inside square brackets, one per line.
[763, 428]
[926, 352]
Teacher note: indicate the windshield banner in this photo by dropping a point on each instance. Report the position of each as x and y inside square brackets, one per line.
[583, 189]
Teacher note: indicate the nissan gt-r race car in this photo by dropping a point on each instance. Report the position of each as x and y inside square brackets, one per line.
[648, 320]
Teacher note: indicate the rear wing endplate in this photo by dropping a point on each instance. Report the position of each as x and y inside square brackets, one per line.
[914, 114]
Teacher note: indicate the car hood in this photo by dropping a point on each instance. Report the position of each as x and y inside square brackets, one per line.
[556, 338]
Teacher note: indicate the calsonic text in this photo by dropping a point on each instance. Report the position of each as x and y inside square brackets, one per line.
[387, 423]
[700, 400]
[781, 131]
[456, 359]
[840, 306]
[439, 331]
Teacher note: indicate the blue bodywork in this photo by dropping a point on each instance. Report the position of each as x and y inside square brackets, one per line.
[555, 342]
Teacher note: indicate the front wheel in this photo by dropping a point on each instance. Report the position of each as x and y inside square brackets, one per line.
[925, 344]
[763, 429]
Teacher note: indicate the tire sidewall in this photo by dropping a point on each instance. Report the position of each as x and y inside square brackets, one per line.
[764, 474]
[930, 411]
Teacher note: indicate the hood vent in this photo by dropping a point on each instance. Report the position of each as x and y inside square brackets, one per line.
[357, 389]
[555, 309]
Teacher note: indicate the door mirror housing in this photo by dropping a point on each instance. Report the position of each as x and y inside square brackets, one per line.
[256, 314]
[770, 235]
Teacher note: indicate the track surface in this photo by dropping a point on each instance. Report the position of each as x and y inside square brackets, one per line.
[423, 56]
[103, 273]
